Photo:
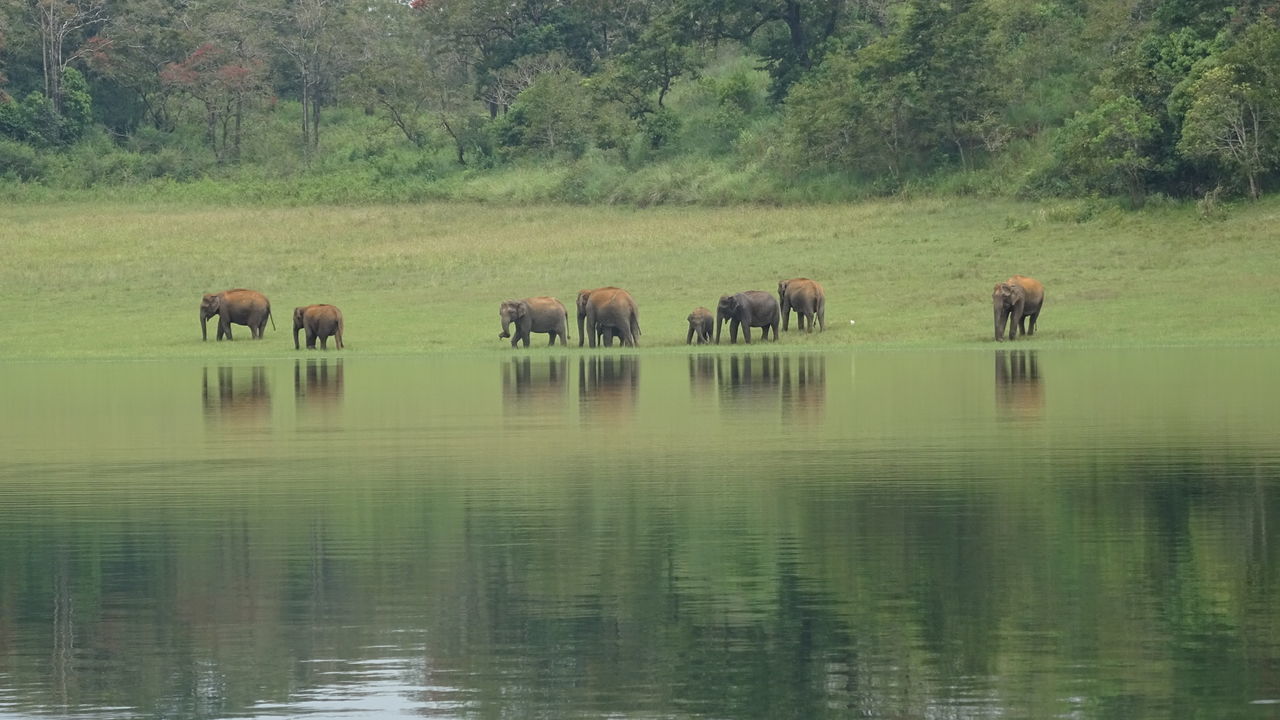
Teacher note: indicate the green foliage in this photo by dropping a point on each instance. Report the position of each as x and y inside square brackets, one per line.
[1233, 116]
[19, 161]
[1107, 149]
[554, 115]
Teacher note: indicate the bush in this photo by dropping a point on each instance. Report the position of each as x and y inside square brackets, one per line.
[19, 161]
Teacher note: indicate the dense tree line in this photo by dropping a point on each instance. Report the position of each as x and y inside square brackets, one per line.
[1128, 98]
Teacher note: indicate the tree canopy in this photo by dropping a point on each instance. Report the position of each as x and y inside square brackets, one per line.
[1179, 97]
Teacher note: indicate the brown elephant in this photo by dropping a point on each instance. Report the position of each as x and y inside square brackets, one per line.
[700, 323]
[607, 312]
[752, 308]
[1015, 300]
[534, 315]
[807, 298]
[320, 321]
[239, 306]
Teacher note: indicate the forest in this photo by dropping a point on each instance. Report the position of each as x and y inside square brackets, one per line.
[640, 101]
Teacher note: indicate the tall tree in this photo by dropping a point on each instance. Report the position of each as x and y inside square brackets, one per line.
[63, 26]
[315, 36]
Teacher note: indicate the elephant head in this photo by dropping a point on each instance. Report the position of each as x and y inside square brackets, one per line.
[512, 311]
[782, 291]
[298, 314]
[726, 310]
[210, 305]
[1006, 299]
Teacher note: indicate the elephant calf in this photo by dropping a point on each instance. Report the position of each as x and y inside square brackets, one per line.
[1015, 300]
[534, 315]
[700, 323]
[320, 321]
[239, 306]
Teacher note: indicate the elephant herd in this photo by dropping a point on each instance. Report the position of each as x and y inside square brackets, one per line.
[608, 313]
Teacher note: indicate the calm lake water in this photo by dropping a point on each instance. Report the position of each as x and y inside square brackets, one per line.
[978, 534]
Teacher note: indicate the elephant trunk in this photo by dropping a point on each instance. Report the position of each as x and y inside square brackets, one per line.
[204, 325]
[1000, 315]
[581, 334]
[506, 329]
[720, 320]
[296, 328]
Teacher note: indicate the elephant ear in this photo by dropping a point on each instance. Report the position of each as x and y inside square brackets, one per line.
[782, 287]
[522, 309]
[298, 312]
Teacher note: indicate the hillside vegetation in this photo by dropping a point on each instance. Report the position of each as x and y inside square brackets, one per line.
[642, 102]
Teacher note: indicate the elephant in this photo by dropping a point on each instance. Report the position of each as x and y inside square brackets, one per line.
[534, 315]
[320, 321]
[807, 298]
[752, 308]
[700, 322]
[607, 312]
[1015, 300]
[239, 306]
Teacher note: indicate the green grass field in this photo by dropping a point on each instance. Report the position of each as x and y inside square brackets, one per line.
[94, 280]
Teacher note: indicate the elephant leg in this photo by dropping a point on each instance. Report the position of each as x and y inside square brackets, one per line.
[524, 337]
[786, 318]
[1034, 317]
[733, 331]
[311, 339]
[590, 332]
[746, 333]
[324, 342]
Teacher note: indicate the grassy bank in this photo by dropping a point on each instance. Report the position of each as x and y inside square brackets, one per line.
[95, 280]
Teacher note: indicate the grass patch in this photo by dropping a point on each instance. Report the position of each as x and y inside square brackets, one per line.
[117, 280]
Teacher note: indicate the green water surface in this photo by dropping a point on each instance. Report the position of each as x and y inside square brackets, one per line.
[1007, 533]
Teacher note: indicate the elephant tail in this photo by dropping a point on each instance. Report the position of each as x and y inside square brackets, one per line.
[271, 318]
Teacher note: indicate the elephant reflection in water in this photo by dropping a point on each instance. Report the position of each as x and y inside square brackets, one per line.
[318, 384]
[1019, 391]
[749, 378]
[702, 376]
[237, 402]
[540, 386]
[608, 385]
[804, 391]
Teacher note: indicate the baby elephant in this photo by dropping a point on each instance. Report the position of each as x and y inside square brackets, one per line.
[320, 321]
[534, 315]
[700, 323]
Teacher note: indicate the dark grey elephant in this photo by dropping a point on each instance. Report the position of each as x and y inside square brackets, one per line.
[239, 306]
[807, 298]
[752, 308]
[700, 323]
[605, 313]
[320, 321]
[534, 315]
[1014, 301]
